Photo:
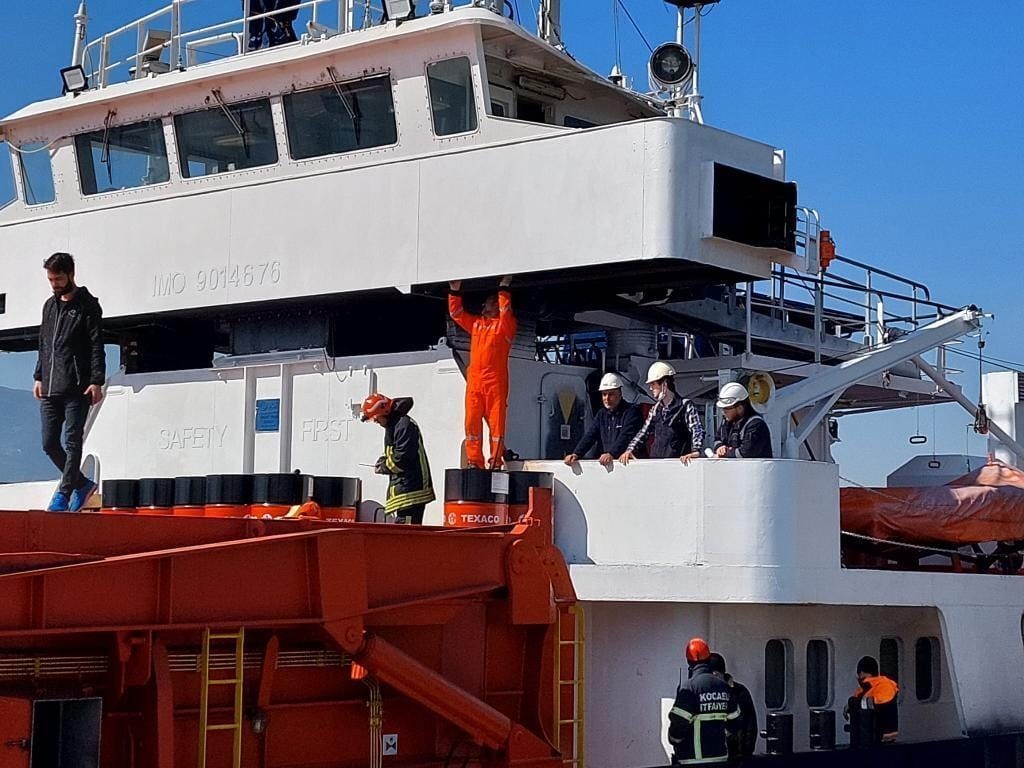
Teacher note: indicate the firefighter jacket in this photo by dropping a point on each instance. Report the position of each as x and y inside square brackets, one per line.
[704, 713]
[405, 460]
[490, 338]
[71, 353]
[676, 427]
[743, 741]
[748, 438]
[611, 430]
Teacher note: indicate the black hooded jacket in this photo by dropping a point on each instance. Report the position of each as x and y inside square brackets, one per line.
[405, 460]
[71, 353]
[705, 711]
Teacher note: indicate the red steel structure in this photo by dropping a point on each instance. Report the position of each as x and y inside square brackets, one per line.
[176, 642]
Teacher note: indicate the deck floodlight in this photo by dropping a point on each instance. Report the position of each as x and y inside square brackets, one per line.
[75, 79]
[398, 9]
[671, 65]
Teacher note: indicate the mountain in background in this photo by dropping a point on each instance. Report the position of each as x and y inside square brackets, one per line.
[21, 457]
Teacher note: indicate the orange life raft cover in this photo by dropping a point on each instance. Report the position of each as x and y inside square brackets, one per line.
[985, 505]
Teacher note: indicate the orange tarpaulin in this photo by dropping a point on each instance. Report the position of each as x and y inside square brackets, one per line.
[985, 505]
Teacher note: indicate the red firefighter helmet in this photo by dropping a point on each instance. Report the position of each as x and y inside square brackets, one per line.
[697, 650]
[375, 405]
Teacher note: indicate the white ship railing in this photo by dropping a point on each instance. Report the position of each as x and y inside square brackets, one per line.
[137, 48]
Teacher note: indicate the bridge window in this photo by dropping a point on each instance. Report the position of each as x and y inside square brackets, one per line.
[344, 118]
[122, 157]
[452, 104]
[36, 173]
[778, 666]
[927, 668]
[223, 139]
[819, 673]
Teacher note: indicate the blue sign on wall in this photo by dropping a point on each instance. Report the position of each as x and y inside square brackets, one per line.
[268, 415]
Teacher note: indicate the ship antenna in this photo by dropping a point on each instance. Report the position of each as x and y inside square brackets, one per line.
[81, 22]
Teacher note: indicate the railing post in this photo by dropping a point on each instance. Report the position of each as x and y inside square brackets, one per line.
[867, 309]
[750, 312]
[246, 11]
[175, 49]
[819, 304]
[104, 60]
[140, 43]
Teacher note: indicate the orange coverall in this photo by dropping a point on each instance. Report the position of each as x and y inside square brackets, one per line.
[487, 377]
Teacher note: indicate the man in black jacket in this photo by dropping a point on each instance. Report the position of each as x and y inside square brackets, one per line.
[613, 426]
[410, 488]
[704, 712]
[69, 376]
[742, 434]
[743, 741]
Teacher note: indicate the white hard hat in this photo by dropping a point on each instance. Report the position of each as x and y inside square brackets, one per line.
[609, 382]
[659, 371]
[731, 393]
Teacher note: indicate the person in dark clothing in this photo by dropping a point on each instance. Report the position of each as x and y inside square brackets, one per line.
[69, 376]
[742, 434]
[678, 432]
[743, 741]
[705, 712]
[613, 426]
[405, 460]
[278, 28]
[876, 694]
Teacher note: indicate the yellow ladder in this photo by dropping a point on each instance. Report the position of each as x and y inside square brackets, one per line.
[204, 696]
[570, 637]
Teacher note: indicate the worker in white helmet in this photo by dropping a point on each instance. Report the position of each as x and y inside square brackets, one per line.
[673, 420]
[613, 426]
[743, 434]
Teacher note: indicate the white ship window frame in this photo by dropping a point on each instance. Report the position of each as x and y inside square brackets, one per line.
[935, 671]
[474, 88]
[276, 117]
[365, 151]
[21, 184]
[133, 190]
[787, 674]
[830, 673]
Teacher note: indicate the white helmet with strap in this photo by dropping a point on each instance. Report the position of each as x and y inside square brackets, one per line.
[658, 371]
[730, 394]
[609, 382]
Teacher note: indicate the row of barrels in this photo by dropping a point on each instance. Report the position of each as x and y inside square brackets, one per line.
[478, 497]
[274, 495]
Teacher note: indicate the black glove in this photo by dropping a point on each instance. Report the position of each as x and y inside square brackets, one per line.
[381, 467]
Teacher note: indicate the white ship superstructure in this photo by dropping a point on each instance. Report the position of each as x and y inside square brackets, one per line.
[271, 235]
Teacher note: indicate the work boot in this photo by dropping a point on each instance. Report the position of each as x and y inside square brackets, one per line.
[59, 502]
[80, 496]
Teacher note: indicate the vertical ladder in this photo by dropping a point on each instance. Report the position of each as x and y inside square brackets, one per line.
[204, 696]
[570, 649]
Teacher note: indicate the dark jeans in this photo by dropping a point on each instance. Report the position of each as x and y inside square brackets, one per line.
[68, 413]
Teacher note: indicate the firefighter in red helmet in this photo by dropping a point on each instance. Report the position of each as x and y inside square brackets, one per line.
[704, 711]
[405, 460]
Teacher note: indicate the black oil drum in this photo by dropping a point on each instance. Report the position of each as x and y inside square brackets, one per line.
[189, 492]
[475, 497]
[156, 493]
[778, 733]
[519, 485]
[822, 729]
[120, 495]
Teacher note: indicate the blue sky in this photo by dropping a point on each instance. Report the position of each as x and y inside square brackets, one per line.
[903, 123]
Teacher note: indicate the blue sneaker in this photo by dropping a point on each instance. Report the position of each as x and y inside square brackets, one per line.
[80, 496]
[59, 502]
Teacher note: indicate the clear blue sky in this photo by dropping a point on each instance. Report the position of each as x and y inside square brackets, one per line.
[903, 123]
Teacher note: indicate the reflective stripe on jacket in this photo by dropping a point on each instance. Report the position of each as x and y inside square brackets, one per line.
[705, 710]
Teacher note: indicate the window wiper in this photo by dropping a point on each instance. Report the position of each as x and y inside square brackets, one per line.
[235, 122]
[105, 152]
[354, 114]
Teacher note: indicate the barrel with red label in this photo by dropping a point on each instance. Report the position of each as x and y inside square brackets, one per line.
[228, 495]
[190, 496]
[338, 498]
[519, 485]
[274, 495]
[120, 496]
[156, 495]
[475, 497]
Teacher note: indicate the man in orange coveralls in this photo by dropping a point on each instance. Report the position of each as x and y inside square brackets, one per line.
[492, 333]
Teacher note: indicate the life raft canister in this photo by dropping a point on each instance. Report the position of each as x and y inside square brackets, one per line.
[228, 495]
[475, 497]
[120, 496]
[338, 497]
